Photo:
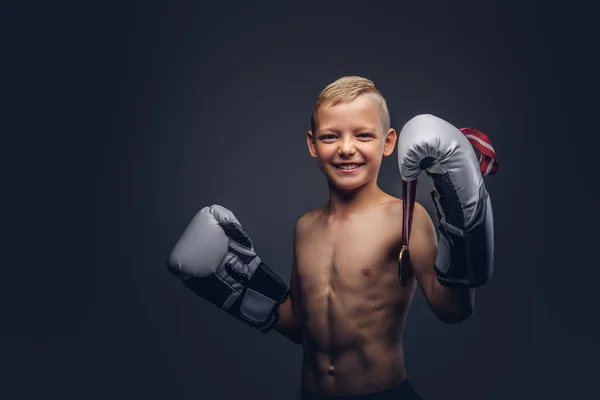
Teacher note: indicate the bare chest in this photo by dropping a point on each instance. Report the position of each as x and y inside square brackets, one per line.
[355, 254]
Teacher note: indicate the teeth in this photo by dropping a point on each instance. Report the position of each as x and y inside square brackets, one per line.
[349, 166]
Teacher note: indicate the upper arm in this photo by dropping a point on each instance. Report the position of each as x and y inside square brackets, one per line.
[288, 322]
[423, 249]
[450, 305]
[294, 283]
[294, 278]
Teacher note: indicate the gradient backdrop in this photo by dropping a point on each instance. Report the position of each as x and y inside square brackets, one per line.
[120, 121]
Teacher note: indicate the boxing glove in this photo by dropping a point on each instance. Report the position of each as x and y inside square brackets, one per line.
[216, 260]
[466, 243]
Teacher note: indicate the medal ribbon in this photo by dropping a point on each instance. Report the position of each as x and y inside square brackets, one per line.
[409, 190]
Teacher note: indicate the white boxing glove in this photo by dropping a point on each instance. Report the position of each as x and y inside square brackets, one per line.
[215, 258]
[466, 244]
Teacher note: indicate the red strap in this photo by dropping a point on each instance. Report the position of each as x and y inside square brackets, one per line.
[487, 156]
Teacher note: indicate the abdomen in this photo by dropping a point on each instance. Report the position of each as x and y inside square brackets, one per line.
[353, 330]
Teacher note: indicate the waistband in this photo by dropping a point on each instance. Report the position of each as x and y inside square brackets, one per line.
[401, 391]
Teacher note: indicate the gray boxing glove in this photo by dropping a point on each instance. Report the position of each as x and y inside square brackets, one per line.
[466, 244]
[216, 260]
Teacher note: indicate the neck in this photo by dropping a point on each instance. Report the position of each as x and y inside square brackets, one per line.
[344, 203]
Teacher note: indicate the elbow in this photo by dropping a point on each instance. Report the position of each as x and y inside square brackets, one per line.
[456, 307]
[456, 316]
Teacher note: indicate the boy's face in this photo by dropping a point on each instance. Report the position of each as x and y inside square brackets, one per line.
[349, 142]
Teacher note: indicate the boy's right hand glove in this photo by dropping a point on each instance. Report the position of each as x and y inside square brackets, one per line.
[215, 258]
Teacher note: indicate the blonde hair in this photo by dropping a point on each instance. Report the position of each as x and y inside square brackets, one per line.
[345, 90]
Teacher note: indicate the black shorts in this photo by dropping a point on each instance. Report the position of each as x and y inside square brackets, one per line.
[402, 391]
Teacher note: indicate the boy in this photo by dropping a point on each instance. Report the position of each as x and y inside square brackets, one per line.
[346, 305]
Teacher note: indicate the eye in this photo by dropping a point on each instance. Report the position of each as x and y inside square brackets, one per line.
[327, 137]
[366, 135]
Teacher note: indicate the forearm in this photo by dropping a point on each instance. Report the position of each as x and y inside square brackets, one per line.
[451, 304]
[287, 325]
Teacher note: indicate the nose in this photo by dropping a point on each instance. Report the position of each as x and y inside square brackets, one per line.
[346, 147]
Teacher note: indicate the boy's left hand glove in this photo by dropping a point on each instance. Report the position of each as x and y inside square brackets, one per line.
[215, 258]
[466, 244]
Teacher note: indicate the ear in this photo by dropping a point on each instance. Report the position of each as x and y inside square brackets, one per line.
[390, 142]
[310, 141]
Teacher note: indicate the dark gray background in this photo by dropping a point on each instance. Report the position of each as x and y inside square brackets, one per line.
[120, 121]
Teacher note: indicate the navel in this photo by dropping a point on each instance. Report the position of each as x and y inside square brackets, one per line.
[365, 272]
[331, 370]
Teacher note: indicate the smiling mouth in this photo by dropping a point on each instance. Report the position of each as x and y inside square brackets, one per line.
[348, 167]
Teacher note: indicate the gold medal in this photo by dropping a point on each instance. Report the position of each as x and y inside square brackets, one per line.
[403, 265]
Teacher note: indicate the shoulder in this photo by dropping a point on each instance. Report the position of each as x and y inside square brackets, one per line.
[395, 207]
[422, 224]
[306, 220]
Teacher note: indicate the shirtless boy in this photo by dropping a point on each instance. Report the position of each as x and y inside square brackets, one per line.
[345, 303]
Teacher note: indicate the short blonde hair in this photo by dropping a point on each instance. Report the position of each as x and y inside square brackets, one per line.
[345, 90]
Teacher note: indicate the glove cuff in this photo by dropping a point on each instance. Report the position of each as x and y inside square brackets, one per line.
[254, 301]
[465, 257]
